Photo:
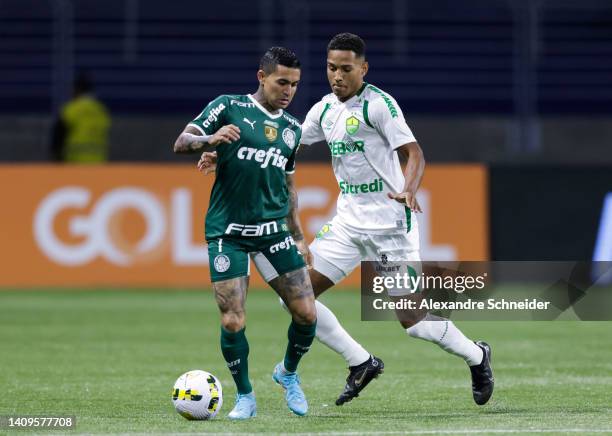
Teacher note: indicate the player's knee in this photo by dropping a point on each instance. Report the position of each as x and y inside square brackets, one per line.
[232, 321]
[411, 318]
[311, 317]
[407, 324]
[306, 320]
[306, 315]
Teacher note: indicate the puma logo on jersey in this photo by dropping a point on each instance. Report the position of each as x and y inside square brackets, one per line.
[272, 156]
[250, 123]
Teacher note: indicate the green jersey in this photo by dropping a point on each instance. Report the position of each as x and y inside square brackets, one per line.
[250, 194]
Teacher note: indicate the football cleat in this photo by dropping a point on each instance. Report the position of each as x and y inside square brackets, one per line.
[290, 381]
[359, 377]
[482, 376]
[245, 407]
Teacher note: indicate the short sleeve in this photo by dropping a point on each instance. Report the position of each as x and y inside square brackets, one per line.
[290, 165]
[212, 118]
[311, 128]
[389, 120]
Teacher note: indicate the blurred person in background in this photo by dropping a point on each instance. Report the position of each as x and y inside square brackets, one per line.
[80, 133]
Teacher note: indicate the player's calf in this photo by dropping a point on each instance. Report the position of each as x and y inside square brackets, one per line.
[295, 290]
[230, 295]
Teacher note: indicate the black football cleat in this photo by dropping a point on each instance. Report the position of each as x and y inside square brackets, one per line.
[359, 377]
[482, 376]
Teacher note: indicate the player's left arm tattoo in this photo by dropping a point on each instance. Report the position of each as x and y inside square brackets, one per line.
[190, 141]
[293, 219]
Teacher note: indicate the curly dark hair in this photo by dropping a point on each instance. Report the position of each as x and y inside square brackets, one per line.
[348, 41]
[278, 56]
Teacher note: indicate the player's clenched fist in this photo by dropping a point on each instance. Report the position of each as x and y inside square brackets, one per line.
[226, 134]
[208, 162]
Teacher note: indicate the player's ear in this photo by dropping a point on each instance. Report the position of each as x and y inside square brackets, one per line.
[261, 77]
[364, 68]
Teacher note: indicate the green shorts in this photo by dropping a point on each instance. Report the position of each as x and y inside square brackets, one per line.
[229, 256]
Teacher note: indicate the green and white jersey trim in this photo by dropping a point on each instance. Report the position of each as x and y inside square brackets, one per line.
[197, 128]
[363, 134]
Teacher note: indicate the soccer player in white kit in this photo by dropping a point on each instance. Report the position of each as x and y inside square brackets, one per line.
[365, 130]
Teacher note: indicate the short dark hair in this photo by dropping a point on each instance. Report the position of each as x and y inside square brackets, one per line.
[278, 56]
[348, 41]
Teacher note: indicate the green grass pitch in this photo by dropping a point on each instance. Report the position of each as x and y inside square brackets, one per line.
[111, 358]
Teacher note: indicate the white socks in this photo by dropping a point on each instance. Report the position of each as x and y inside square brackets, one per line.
[330, 332]
[443, 332]
[432, 328]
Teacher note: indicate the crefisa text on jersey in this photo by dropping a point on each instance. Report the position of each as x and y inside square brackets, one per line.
[264, 157]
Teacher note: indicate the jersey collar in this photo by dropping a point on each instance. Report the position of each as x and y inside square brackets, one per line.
[264, 110]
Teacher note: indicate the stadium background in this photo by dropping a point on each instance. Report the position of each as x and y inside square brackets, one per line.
[510, 100]
[519, 89]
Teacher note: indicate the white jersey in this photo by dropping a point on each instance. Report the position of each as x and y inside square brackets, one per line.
[363, 134]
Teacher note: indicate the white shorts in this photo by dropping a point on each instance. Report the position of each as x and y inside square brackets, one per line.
[337, 251]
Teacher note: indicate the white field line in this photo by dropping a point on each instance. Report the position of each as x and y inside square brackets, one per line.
[396, 432]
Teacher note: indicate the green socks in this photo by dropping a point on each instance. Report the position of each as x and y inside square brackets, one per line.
[300, 339]
[235, 349]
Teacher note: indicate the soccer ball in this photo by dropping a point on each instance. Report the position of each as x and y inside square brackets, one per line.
[197, 395]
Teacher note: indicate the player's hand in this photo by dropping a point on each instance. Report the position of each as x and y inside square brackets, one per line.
[302, 247]
[408, 199]
[225, 135]
[208, 162]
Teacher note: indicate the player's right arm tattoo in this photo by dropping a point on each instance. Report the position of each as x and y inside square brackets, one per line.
[190, 141]
[293, 219]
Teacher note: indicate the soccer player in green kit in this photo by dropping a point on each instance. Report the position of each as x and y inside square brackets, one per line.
[253, 209]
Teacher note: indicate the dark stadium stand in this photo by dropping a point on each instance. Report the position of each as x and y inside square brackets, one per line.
[433, 57]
